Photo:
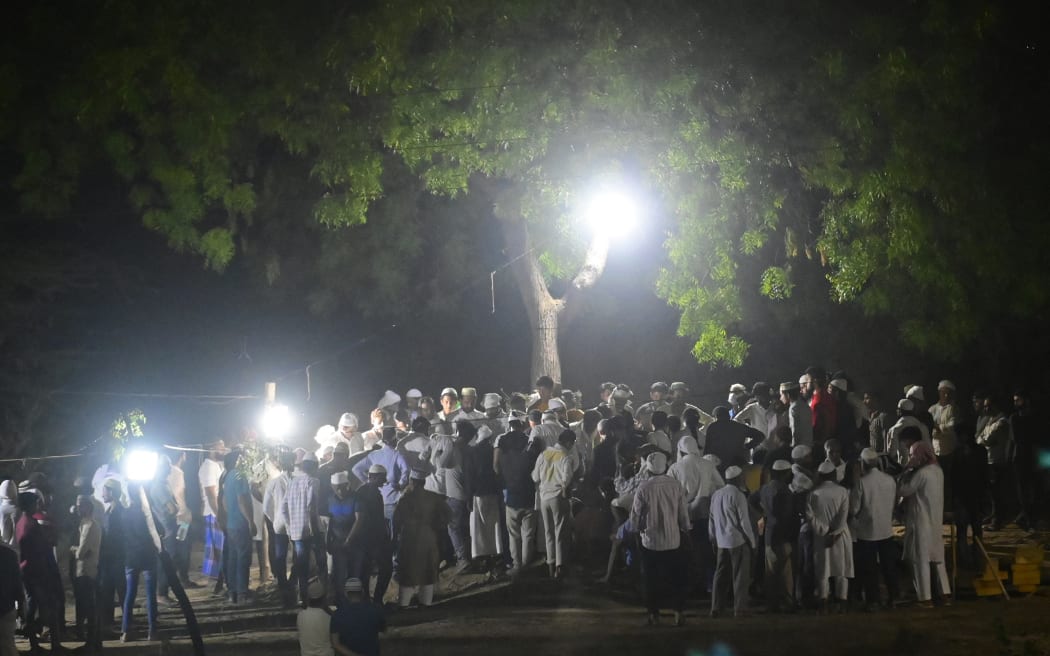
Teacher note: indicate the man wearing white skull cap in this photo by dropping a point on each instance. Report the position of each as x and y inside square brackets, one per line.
[906, 417]
[827, 511]
[732, 533]
[781, 530]
[871, 522]
[660, 516]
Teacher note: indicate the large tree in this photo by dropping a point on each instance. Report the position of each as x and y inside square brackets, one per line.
[873, 144]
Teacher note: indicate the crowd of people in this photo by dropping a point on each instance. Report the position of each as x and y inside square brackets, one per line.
[789, 495]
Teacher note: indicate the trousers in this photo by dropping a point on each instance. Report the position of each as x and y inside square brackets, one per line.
[556, 521]
[664, 579]
[521, 531]
[732, 571]
[779, 582]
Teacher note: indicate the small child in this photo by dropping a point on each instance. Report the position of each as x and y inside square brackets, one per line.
[314, 622]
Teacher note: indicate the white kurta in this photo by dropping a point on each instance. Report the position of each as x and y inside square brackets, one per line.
[828, 511]
[923, 492]
[484, 526]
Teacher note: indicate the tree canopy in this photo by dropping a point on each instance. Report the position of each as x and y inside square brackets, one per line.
[895, 149]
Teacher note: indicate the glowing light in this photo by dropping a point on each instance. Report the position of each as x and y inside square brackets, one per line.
[612, 212]
[276, 422]
[140, 465]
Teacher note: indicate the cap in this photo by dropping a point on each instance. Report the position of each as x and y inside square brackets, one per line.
[607, 387]
[555, 404]
[781, 465]
[112, 484]
[737, 388]
[352, 585]
[658, 386]
[491, 400]
[413, 394]
[868, 454]
[733, 472]
[946, 384]
[315, 590]
[657, 462]
[826, 468]
[839, 383]
[906, 404]
[788, 387]
[800, 451]
[388, 399]
[347, 420]
[450, 391]
[678, 386]
[340, 478]
[713, 458]
[915, 392]
[377, 469]
[469, 391]
[801, 481]
[803, 379]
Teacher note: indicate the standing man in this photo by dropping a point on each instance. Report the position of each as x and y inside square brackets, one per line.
[349, 435]
[468, 402]
[700, 478]
[450, 409]
[165, 512]
[679, 392]
[922, 486]
[553, 475]
[760, 413]
[825, 417]
[85, 554]
[828, 515]
[448, 460]
[996, 435]
[660, 516]
[12, 594]
[644, 415]
[393, 464]
[276, 529]
[544, 392]
[240, 526]
[420, 521]
[800, 417]
[729, 440]
[945, 417]
[514, 463]
[370, 537]
[871, 515]
[412, 398]
[111, 581]
[734, 538]
[209, 473]
[300, 515]
[781, 532]
[879, 424]
[184, 518]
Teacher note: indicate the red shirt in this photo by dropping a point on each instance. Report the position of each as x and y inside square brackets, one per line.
[825, 415]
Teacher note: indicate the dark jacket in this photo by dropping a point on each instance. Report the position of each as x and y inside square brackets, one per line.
[515, 464]
[778, 507]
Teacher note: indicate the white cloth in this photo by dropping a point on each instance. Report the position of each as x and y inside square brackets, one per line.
[414, 448]
[764, 420]
[730, 525]
[698, 476]
[314, 627]
[484, 526]
[209, 475]
[661, 441]
[87, 548]
[996, 434]
[871, 506]
[923, 505]
[553, 472]
[546, 433]
[177, 483]
[800, 420]
[893, 437]
[827, 510]
[660, 513]
[273, 498]
[944, 437]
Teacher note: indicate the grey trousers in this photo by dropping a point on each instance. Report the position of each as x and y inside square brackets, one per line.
[521, 526]
[556, 524]
[733, 570]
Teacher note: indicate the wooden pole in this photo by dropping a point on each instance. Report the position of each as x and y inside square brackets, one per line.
[988, 559]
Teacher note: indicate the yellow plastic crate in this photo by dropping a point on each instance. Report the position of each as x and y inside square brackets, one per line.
[986, 588]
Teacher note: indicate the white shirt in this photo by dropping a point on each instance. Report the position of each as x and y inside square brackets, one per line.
[546, 432]
[730, 521]
[764, 420]
[893, 441]
[699, 477]
[659, 513]
[209, 475]
[553, 472]
[661, 441]
[871, 506]
[177, 482]
[273, 498]
[944, 438]
[315, 638]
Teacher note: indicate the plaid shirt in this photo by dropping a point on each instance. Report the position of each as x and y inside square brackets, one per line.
[299, 508]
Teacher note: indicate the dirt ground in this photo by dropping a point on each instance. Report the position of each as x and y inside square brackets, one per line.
[579, 616]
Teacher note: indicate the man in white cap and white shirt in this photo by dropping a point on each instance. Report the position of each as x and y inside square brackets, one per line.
[494, 417]
[553, 475]
[827, 511]
[660, 516]
[906, 417]
[348, 430]
[800, 416]
[450, 408]
[412, 398]
[760, 413]
[389, 403]
[547, 431]
[871, 504]
[468, 401]
[943, 435]
[733, 534]
[314, 623]
[700, 478]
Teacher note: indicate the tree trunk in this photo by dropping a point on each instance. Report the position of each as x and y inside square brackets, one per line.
[543, 309]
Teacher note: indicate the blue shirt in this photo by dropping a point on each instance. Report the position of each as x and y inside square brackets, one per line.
[396, 472]
[341, 512]
[358, 625]
[235, 486]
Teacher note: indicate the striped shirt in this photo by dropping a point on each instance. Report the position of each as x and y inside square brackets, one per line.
[660, 513]
[299, 508]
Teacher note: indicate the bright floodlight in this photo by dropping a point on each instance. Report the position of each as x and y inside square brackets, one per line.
[140, 465]
[276, 422]
[612, 212]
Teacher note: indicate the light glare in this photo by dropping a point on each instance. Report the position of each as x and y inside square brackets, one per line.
[276, 422]
[140, 465]
[612, 212]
